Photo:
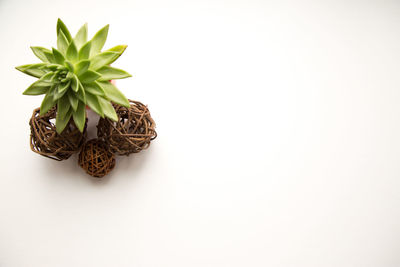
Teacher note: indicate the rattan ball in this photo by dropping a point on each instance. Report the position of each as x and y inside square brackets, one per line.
[47, 142]
[133, 131]
[96, 159]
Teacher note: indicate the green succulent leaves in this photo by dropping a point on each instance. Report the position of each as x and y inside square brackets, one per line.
[75, 74]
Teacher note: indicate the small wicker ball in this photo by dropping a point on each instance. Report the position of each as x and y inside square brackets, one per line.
[47, 142]
[133, 131]
[96, 159]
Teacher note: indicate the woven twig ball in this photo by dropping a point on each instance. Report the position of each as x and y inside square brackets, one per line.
[47, 142]
[133, 131]
[95, 158]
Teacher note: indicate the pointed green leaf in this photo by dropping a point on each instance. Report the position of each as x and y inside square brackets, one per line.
[94, 88]
[34, 70]
[62, 42]
[73, 100]
[61, 67]
[54, 78]
[82, 67]
[99, 40]
[81, 93]
[114, 94]
[110, 73]
[47, 103]
[119, 48]
[81, 36]
[47, 79]
[69, 66]
[51, 67]
[89, 76]
[39, 52]
[61, 27]
[36, 89]
[72, 52]
[61, 123]
[84, 52]
[108, 109]
[75, 83]
[50, 57]
[41, 85]
[63, 106]
[60, 93]
[102, 59]
[70, 74]
[93, 102]
[58, 57]
[63, 87]
[79, 116]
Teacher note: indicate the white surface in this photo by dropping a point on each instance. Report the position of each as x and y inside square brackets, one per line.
[278, 141]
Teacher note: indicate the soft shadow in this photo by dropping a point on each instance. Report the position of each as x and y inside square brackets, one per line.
[65, 169]
[131, 166]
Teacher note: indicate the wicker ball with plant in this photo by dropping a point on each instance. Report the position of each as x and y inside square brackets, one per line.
[75, 75]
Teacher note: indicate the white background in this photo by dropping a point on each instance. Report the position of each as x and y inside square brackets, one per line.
[279, 138]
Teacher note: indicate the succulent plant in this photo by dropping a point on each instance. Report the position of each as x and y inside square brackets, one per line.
[77, 74]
